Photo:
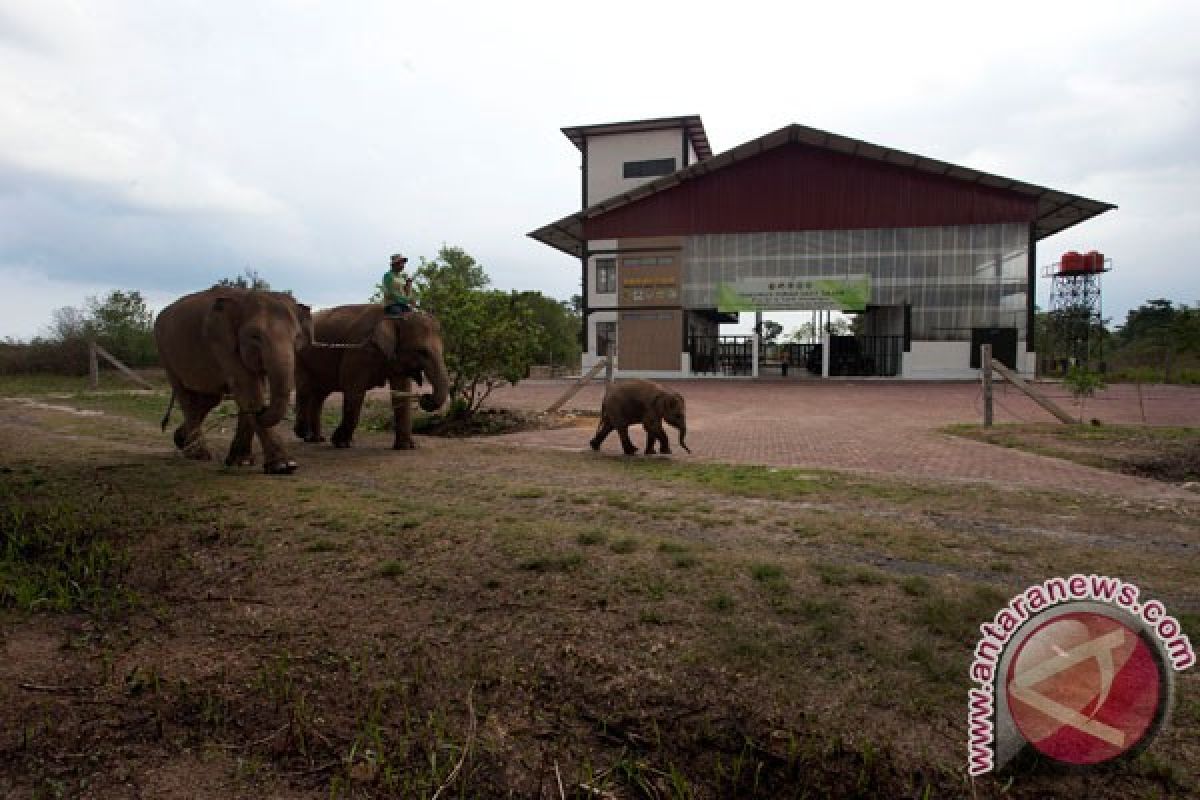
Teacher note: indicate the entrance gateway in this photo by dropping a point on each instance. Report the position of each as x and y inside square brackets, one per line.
[931, 258]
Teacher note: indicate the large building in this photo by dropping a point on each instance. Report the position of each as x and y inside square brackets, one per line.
[933, 259]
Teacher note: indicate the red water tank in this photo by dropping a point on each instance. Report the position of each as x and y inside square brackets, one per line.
[1071, 262]
[1093, 262]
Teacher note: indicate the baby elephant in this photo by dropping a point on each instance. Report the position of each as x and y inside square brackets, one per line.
[642, 402]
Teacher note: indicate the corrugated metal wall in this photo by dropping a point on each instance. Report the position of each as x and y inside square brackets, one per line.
[796, 187]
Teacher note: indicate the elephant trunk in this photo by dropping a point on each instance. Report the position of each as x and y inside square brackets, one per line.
[280, 381]
[682, 434]
[439, 381]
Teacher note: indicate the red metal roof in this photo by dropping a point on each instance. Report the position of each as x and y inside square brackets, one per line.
[799, 187]
[800, 178]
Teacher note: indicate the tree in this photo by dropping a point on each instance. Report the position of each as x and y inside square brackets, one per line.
[124, 326]
[839, 327]
[560, 327]
[249, 279]
[1082, 383]
[120, 322]
[806, 333]
[771, 331]
[489, 337]
[1156, 334]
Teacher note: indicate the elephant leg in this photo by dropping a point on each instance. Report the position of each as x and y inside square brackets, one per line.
[189, 436]
[312, 414]
[352, 401]
[655, 435]
[602, 432]
[629, 447]
[402, 416]
[275, 458]
[241, 449]
[651, 439]
[303, 424]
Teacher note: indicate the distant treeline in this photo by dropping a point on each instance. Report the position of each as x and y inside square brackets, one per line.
[541, 329]
[1158, 342]
[120, 322]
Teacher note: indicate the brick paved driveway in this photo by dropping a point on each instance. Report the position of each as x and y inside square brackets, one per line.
[884, 427]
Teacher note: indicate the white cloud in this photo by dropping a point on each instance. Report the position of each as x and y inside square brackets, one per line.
[29, 297]
[164, 145]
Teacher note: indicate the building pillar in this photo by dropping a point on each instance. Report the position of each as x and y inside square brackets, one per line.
[825, 352]
[754, 356]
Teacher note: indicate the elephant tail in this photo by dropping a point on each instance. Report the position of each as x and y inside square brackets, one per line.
[170, 406]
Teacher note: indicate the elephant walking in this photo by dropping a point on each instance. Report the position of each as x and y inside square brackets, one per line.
[634, 402]
[241, 342]
[396, 350]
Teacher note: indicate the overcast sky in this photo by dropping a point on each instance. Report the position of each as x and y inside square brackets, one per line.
[163, 145]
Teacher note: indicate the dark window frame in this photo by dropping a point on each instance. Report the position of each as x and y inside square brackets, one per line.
[606, 276]
[648, 168]
[602, 339]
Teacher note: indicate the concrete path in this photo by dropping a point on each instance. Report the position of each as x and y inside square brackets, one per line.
[882, 427]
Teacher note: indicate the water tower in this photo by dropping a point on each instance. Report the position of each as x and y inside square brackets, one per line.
[1075, 309]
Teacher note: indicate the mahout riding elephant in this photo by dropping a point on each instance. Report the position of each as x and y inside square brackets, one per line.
[242, 342]
[374, 349]
[634, 402]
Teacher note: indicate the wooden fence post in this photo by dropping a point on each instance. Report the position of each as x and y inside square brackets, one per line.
[110, 358]
[985, 353]
[93, 367]
[1037, 397]
[575, 387]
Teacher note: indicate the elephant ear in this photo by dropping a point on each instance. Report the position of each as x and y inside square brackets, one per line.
[383, 338]
[305, 336]
[221, 323]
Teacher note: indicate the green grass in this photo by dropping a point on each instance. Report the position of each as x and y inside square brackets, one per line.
[915, 586]
[624, 545]
[770, 576]
[722, 603]
[59, 552]
[558, 563]
[392, 569]
[1091, 445]
[959, 617]
[325, 546]
[40, 384]
[778, 483]
[592, 537]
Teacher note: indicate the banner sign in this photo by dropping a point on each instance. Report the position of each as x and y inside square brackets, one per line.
[844, 293]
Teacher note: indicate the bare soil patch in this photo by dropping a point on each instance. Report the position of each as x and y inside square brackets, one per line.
[1165, 453]
[481, 620]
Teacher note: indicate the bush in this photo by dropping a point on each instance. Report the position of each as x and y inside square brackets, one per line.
[65, 357]
[121, 323]
[489, 337]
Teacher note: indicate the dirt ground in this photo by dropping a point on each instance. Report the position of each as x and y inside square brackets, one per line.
[485, 618]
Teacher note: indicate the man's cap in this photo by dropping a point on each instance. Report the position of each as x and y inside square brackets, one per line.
[399, 258]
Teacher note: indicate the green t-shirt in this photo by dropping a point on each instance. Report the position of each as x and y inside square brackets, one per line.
[393, 288]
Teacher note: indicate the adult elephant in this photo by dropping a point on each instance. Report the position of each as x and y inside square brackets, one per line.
[241, 342]
[396, 350]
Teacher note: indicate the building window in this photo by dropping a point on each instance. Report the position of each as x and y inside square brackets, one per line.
[606, 336]
[606, 275]
[647, 261]
[650, 168]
